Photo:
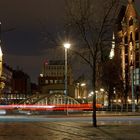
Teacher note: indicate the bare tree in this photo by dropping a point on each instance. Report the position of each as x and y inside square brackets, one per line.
[91, 22]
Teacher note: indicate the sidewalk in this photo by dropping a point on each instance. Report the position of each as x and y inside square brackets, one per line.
[52, 127]
[67, 130]
[89, 114]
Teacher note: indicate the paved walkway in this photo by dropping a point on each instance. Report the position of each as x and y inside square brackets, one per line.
[68, 129]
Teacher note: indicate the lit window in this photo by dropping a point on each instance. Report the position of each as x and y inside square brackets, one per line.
[61, 81]
[137, 45]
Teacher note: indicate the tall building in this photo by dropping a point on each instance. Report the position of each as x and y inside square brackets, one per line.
[128, 40]
[21, 87]
[52, 79]
[21, 82]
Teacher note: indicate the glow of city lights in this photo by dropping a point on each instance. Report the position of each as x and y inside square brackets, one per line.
[92, 93]
[41, 75]
[96, 91]
[119, 100]
[83, 84]
[102, 90]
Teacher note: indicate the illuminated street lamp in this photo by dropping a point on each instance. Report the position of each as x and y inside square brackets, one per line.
[66, 46]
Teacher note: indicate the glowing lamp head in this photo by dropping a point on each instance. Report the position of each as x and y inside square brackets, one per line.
[67, 45]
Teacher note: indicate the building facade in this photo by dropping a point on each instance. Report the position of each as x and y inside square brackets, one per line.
[128, 34]
[17, 85]
[52, 79]
[81, 92]
[7, 73]
[21, 86]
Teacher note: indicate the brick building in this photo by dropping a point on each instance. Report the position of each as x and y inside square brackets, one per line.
[52, 79]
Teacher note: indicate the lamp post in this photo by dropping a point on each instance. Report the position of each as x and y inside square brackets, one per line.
[66, 46]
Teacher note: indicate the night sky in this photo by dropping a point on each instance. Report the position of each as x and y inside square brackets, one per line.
[23, 44]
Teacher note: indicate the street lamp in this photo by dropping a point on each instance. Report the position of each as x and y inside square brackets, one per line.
[66, 46]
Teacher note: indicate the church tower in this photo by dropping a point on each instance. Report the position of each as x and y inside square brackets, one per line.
[129, 39]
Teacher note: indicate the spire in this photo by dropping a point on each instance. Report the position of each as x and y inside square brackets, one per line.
[112, 53]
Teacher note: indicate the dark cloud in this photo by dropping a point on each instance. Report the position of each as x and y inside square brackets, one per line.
[30, 12]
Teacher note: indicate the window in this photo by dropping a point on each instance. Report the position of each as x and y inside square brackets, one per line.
[130, 22]
[137, 56]
[126, 49]
[61, 81]
[136, 36]
[137, 64]
[126, 59]
[137, 45]
[136, 76]
[51, 81]
[131, 38]
[125, 40]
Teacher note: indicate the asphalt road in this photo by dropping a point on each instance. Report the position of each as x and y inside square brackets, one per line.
[63, 118]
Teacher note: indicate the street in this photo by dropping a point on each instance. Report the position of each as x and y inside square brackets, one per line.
[68, 128]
